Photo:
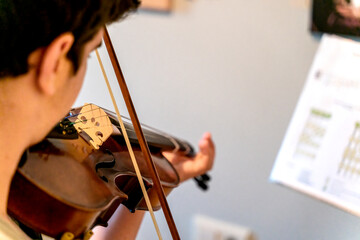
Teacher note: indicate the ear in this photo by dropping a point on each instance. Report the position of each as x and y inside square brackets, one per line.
[51, 61]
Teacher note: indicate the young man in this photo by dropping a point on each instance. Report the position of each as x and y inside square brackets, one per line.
[44, 47]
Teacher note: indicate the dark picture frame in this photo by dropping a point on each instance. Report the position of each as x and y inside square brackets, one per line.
[336, 16]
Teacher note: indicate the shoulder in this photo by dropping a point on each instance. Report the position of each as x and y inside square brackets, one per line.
[10, 231]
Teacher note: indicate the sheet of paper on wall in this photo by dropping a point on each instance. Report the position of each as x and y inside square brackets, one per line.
[320, 154]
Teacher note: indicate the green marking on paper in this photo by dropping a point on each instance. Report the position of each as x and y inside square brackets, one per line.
[321, 113]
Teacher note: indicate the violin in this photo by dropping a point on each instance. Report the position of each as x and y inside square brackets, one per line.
[76, 178]
[81, 172]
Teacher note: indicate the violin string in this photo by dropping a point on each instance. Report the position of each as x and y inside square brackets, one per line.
[82, 121]
[100, 116]
[154, 130]
[175, 141]
[70, 114]
[131, 152]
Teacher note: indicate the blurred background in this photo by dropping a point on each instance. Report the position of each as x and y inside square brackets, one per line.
[236, 69]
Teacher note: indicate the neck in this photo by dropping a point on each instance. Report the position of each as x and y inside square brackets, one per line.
[25, 118]
[15, 133]
[10, 159]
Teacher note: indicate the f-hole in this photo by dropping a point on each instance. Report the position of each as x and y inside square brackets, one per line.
[105, 165]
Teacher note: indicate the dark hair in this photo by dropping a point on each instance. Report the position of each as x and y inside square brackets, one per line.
[26, 25]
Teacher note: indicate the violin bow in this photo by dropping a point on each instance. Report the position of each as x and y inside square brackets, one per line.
[140, 135]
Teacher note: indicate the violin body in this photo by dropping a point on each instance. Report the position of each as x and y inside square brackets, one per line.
[53, 193]
[65, 185]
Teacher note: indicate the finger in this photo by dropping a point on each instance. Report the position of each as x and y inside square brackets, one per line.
[174, 157]
[190, 168]
[200, 164]
[207, 146]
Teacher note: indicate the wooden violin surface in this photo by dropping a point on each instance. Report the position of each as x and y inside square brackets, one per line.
[54, 193]
[63, 184]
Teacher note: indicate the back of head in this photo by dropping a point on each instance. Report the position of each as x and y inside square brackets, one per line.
[27, 25]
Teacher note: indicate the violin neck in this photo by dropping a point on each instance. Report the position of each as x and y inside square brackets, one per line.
[161, 142]
[156, 139]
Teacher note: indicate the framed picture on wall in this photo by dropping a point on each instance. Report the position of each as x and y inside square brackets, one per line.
[336, 16]
[156, 5]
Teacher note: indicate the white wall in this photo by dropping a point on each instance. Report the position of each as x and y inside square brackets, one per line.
[235, 68]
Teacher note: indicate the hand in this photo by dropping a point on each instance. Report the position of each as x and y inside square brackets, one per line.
[186, 167]
[189, 167]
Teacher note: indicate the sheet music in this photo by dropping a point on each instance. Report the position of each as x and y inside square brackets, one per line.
[320, 154]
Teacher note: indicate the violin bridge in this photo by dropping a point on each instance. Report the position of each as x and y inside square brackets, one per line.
[93, 121]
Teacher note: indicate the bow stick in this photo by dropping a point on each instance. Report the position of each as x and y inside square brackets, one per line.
[139, 133]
